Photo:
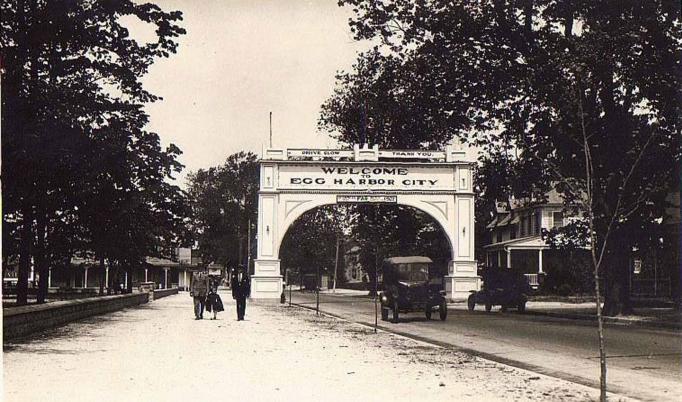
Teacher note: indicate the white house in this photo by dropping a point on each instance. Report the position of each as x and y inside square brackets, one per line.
[514, 234]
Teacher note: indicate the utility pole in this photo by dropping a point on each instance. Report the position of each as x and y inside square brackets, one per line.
[317, 291]
[376, 288]
[336, 261]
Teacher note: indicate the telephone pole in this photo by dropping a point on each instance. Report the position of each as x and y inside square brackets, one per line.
[336, 261]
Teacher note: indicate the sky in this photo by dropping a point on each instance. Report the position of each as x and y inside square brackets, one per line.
[241, 60]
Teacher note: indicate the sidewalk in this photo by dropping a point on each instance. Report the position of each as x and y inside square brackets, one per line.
[158, 352]
[653, 317]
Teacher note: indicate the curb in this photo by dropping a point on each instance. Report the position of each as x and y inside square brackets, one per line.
[651, 324]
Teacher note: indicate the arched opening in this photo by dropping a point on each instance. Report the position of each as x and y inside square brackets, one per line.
[361, 236]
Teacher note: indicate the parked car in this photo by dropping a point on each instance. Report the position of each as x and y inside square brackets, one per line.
[501, 287]
[408, 287]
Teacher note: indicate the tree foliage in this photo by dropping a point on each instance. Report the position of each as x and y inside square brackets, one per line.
[80, 172]
[524, 80]
[309, 245]
[224, 201]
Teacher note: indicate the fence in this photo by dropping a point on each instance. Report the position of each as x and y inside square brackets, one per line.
[533, 280]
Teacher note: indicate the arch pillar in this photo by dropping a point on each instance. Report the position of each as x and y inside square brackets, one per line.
[266, 281]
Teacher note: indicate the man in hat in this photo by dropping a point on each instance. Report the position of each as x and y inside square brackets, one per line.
[198, 290]
[241, 289]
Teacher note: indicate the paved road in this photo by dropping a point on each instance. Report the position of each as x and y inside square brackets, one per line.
[642, 363]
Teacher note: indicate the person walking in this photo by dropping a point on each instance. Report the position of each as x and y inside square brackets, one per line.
[213, 301]
[198, 290]
[241, 289]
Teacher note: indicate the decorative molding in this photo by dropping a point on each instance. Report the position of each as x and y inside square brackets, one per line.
[441, 206]
[290, 205]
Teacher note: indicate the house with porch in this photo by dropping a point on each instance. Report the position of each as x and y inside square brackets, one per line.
[514, 236]
[83, 274]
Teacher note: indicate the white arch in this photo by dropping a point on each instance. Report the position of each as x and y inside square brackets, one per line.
[293, 182]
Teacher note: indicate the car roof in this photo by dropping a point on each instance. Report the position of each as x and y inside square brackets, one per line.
[408, 260]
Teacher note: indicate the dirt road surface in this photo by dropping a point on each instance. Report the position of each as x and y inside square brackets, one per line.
[158, 352]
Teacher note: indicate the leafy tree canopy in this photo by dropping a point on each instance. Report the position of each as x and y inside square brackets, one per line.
[549, 89]
[224, 204]
[80, 172]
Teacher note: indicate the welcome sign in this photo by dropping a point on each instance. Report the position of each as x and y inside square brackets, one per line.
[335, 176]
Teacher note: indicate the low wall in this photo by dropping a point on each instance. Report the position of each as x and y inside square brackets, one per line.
[159, 293]
[25, 320]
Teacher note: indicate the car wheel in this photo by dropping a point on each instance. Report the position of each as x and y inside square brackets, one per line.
[384, 314]
[443, 310]
[522, 306]
[427, 312]
[488, 307]
[396, 313]
[471, 302]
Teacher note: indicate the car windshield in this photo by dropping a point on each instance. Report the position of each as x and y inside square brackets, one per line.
[413, 272]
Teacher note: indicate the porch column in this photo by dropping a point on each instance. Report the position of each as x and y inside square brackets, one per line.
[49, 278]
[540, 261]
[145, 275]
[184, 279]
[106, 277]
[487, 259]
[125, 280]
[165, 278]
[85, 278]
[508, 257]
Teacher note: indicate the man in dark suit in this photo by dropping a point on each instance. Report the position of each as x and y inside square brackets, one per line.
[198, 290]
[241, 289]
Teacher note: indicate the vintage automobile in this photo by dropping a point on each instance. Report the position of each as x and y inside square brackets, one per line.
[408, 287]
[501, 287]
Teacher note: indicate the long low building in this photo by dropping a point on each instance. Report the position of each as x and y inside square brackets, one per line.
[86, 274]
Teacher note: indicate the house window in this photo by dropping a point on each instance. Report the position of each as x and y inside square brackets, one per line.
[538, 222]
[512, 229]
[558, 219]
[499, 236]
[523, 226]
[529, 221]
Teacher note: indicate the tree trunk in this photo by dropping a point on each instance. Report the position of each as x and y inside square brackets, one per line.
[617, 283]
[41, 260]
[24, 254]
[101, 275]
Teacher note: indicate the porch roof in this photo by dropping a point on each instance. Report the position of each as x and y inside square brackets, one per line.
[523, 243]
[161, 262]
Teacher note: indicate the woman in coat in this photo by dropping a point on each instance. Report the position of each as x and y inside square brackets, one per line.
[213, 301]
